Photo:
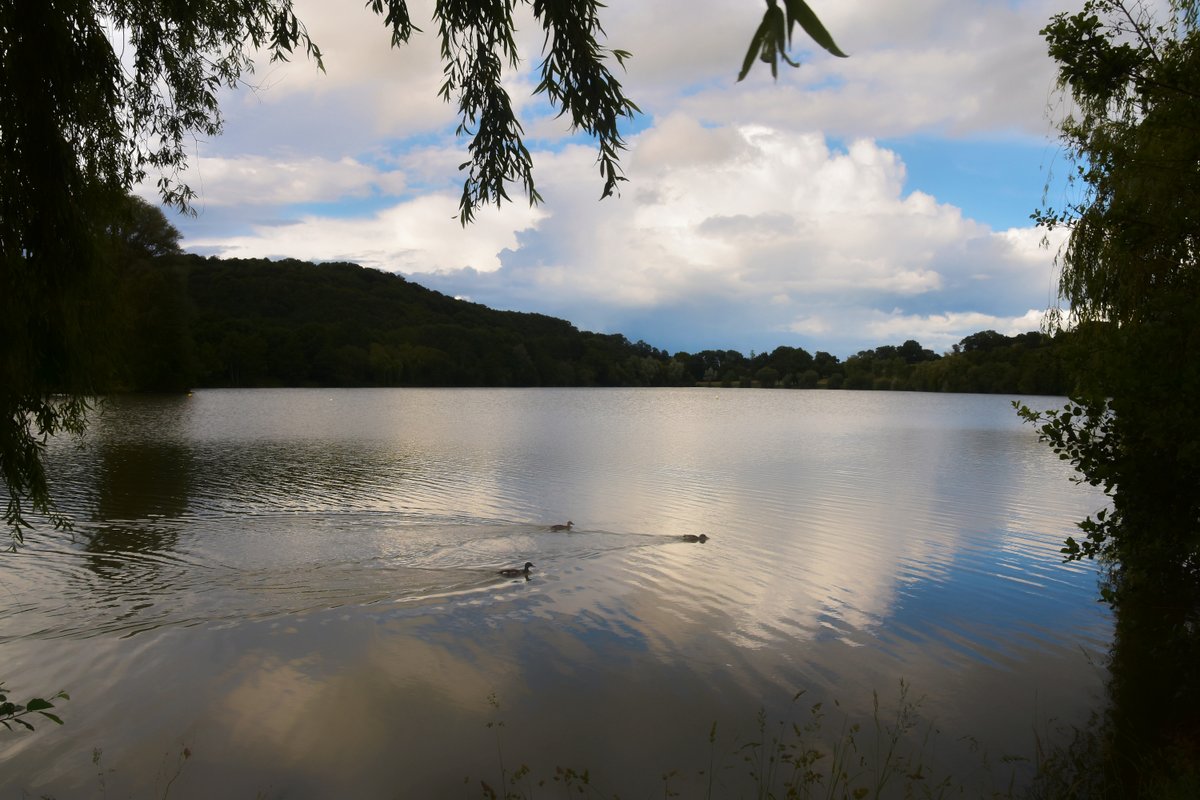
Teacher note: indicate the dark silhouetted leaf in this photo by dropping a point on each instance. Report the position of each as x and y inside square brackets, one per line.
[756, 44]
[798, 11]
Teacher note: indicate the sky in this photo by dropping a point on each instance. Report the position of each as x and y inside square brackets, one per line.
[848, 204]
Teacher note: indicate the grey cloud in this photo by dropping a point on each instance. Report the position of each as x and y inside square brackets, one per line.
[745, 225]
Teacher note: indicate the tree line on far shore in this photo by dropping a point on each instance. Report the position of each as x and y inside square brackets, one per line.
[209, 322]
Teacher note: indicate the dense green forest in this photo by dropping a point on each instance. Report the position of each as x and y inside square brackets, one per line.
[255, 323]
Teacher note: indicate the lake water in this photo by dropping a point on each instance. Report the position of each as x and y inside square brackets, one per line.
[299, 587]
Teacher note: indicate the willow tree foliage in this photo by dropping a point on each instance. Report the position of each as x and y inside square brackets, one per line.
[1129, 276]
[97, 96]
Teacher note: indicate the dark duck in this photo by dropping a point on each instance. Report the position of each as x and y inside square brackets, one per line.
[513, 572]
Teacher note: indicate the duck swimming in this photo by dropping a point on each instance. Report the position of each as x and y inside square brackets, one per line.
[691, 537]
[512, 572]
[566, 527]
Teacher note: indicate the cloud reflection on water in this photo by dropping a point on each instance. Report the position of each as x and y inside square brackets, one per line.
[327, 608]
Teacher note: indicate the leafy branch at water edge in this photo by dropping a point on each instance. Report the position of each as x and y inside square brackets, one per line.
[17, 713]
[1085, 434]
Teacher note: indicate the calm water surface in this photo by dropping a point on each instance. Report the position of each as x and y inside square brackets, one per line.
[299, 586]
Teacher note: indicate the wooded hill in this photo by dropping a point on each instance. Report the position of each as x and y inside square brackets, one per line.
[208, 322]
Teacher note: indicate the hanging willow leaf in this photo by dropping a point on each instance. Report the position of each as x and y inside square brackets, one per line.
[798, 11]
[755, 46]
[767, 43]
[774, 35]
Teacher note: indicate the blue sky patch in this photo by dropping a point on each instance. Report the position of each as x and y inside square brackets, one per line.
[998, 183]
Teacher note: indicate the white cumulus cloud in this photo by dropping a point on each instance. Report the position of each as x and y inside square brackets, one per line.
[756, 214]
